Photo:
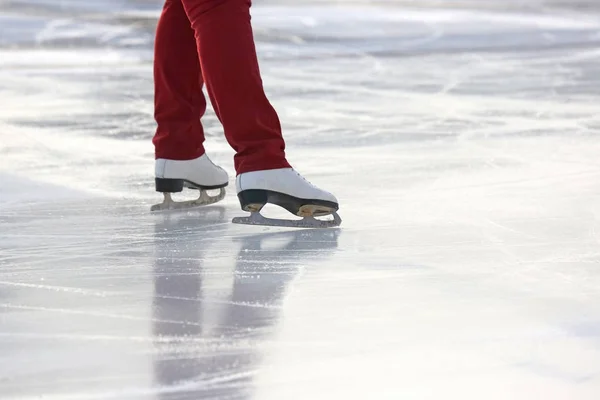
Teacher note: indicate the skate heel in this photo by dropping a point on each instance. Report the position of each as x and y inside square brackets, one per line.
[315, 210]
[253, 200]
[165, 185]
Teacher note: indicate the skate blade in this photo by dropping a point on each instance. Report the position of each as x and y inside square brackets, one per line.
[256, 218]
[204, 200]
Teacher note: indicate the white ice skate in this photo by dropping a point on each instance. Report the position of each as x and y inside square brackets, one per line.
[288, 189]
[172, 176]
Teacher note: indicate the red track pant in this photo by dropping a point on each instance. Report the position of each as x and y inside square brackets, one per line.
[210, 42]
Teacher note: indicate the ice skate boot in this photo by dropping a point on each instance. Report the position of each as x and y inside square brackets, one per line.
[201, 174]
[288, 189]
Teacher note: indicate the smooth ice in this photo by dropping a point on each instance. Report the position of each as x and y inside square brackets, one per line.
[461, 139]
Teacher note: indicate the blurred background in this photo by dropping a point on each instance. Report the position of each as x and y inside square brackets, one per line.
[76, 79]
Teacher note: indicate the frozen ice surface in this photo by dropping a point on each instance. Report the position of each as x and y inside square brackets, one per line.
[460, 137]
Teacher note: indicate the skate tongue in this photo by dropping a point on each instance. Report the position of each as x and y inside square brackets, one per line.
[256, 218]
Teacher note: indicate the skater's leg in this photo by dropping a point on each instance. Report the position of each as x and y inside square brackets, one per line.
[179, 102]
[231, 73]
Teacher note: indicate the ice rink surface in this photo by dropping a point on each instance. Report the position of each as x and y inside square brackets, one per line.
[461, 138]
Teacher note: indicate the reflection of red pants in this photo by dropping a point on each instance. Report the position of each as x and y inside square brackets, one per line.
[210, 42]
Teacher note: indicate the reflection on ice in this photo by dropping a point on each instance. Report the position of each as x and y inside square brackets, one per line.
[210, 344]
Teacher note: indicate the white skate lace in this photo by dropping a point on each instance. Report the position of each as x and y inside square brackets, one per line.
[304, 179]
